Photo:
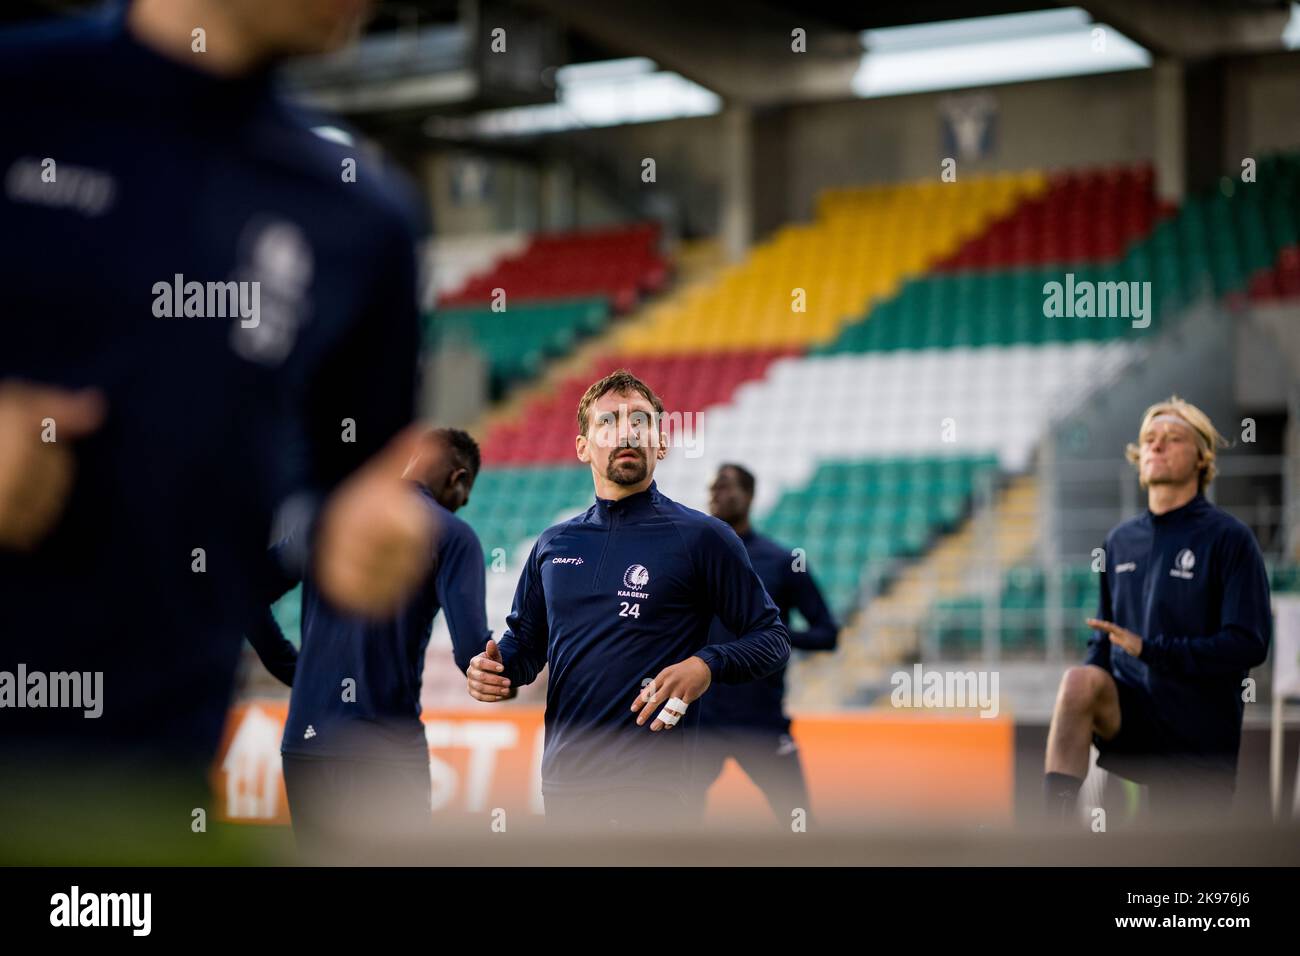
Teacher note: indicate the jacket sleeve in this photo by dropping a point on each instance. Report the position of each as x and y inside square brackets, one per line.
[524, 644]
[1099, 643]
[1245, 622]
[461, 583]
[823, 630]
[367, 376]
[360, 379]
[734, 592]
[277, 653]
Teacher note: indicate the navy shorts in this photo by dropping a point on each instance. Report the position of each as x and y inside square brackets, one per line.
[1147, 751]
[1141, 732]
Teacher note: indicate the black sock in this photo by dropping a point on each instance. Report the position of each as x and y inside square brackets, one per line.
[1061, 791]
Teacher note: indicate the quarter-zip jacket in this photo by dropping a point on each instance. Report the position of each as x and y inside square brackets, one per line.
[610, 598]
[156, 563]
[356, 683]
[1192, 584]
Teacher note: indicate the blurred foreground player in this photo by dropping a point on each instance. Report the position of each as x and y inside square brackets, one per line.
[356, 762]
[1184, 615]
[617, 602]
[191, 325]
[747, 722]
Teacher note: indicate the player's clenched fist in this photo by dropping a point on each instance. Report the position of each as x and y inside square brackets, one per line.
[376, 539]
[486, 677]
[37, 425]
[674, 689]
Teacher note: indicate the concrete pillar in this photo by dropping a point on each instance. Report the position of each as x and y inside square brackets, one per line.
[556, 197]
[454, 386]
[737, 181]
[1205, 135]
[1170, 130]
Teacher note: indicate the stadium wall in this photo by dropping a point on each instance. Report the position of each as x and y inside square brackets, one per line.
[801, 149]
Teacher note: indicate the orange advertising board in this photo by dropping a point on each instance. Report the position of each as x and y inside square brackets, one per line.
[859, 765]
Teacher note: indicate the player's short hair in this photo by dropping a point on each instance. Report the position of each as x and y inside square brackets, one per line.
[463, 447]
[617, 381]
[743, 475]
[1208, 439]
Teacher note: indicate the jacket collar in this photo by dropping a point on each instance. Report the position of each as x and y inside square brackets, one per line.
[633, 506]
[1194, 508]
